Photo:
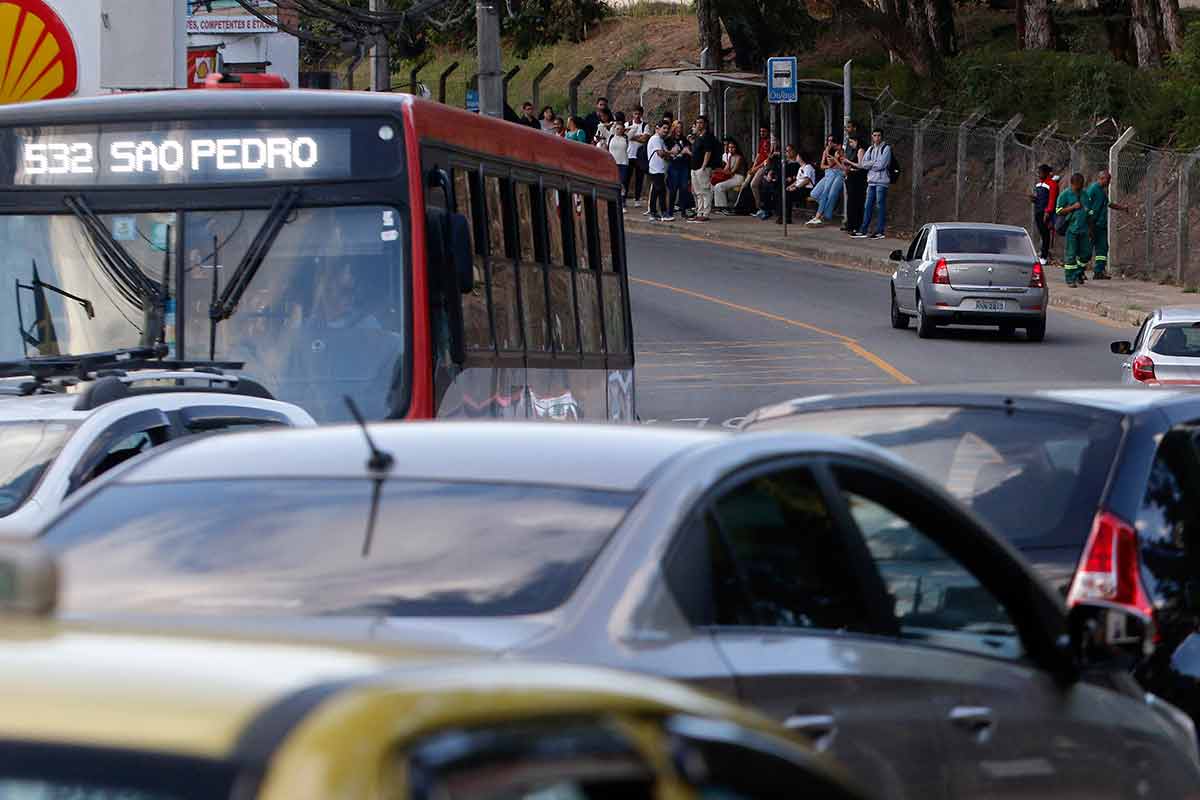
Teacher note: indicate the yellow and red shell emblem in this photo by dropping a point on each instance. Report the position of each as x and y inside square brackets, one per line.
[37, 54]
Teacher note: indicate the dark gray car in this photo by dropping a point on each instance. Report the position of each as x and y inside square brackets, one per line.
[815, 578]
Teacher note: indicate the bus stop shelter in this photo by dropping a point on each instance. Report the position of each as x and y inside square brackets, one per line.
[682, 81]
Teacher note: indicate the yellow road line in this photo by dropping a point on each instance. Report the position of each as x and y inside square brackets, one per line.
[850, 343]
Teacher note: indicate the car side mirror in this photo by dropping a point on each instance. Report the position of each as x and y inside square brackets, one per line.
[1121, 348]
[897, 255]
[1106, 637]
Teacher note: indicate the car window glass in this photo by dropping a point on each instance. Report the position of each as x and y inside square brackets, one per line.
[998, 462]
[934, 597]
[919, 239]
[1168, 517]
[132, 445]
[299, 547]
[29, 449]
[778, 560]
[982, 241]
[1137, 343]
[1178, 340]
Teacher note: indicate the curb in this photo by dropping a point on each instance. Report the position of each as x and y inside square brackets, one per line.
[841, 259]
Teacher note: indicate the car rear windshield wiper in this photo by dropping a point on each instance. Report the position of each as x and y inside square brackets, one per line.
[225, 304]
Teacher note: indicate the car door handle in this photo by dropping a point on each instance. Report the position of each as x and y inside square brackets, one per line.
[1127, 365]
[818, 728]
[977, 720]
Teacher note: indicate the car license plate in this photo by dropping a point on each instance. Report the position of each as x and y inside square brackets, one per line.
[989, 305]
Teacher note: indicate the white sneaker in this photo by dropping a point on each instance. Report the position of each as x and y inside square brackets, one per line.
[1042, 261]
[669, 218]
[814, 221]
[646, 213]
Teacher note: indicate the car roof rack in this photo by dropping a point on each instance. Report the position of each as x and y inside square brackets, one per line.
[115, 374]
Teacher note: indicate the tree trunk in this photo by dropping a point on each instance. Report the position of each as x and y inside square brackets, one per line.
[709, 21]
[1172, 25]
[1039, 31]
[905, 31]
[1146, 34]
[1021, 36]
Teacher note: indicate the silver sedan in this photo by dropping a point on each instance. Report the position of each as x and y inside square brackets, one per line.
[969, 273]
[818, 579]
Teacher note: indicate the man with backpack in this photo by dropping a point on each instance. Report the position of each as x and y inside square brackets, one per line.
[881, 170]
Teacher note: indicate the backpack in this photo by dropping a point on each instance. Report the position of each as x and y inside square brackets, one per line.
[894, 168]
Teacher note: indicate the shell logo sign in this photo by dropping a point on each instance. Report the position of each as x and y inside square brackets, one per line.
[37, 54]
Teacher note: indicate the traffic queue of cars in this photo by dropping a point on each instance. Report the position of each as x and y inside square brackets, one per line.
[821, 580]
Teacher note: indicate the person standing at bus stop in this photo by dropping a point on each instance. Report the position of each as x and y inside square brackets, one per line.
[660, 211]
[1095, 200]
[706, 154]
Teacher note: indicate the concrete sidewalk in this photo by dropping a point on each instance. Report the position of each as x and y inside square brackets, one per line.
[1122, 300]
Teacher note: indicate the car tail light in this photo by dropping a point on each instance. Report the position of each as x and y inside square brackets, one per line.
[1109, 571]
[1143, 369]
[941, 272]
[1037, 280]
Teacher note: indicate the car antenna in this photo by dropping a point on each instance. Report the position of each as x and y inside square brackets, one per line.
[378, 464]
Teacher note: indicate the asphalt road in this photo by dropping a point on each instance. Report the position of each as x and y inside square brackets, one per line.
[723, 330]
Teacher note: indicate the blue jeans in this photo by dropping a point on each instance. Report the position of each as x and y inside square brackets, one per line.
[876, 201]
[623, 171]
[833, 182]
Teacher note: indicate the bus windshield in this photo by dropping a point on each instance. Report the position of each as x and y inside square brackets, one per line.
[323, 317]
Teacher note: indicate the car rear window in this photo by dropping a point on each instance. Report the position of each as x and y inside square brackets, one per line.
[1035, 477]
[1176, 339]
[29, 449]
[300, 547]
[952, 241]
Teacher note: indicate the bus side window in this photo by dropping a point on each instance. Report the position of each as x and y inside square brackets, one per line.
[533, 275]
[590, 321]
[562, 296]
[504, 282]
[611, 279]
[475, 305]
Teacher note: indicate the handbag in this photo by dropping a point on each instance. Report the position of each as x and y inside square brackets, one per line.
[1061, 223]
[720, 175]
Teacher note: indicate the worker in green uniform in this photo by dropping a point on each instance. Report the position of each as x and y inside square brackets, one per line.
[1095, 200]
[1079, 242]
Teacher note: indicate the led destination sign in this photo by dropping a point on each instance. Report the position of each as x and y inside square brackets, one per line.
[82, 157]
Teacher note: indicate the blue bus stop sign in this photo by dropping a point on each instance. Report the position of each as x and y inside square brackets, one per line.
[781, 80]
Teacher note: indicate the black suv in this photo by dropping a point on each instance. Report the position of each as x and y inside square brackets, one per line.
[1098, 487]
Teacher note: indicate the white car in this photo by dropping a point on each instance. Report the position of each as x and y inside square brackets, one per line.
[53, 443]
[1166, 351]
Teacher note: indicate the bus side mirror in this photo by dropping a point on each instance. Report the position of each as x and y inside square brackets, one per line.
[459, 255]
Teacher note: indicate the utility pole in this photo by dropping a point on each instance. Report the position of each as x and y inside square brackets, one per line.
[381, 66]
[491, 75]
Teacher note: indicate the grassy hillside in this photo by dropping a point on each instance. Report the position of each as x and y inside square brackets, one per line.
[1075, 87]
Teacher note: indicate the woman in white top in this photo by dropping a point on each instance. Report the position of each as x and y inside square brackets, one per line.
[618, 146]
[735, 165]
[604, 126]
[546, 119]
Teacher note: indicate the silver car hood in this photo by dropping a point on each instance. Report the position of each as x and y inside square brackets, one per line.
[490, 635]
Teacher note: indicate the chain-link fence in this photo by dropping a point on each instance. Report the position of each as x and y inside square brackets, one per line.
[971, 168]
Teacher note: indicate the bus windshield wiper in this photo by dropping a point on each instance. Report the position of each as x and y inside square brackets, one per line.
[224, 305]
[114, 259]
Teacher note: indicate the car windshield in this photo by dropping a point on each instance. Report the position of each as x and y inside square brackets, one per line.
[1035, 477]
[1180, 340]
[323, 317]
[26, 450]
[299, 547]
[953, 241]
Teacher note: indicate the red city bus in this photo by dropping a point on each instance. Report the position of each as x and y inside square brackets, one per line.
[426, 261]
